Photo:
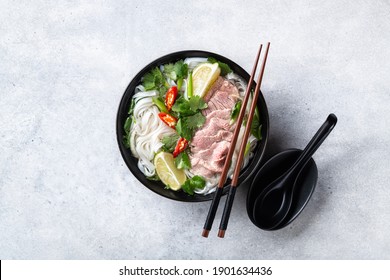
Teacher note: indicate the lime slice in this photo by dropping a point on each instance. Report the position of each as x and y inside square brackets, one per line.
[167, 171]
[203, 77]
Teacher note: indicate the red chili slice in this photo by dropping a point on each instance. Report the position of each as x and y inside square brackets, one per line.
[170, 97]
[181, 145]
[168, 119]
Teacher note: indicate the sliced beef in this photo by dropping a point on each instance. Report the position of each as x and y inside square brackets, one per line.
[211, 143]
[206, 141]
[211, 159]
[218, 84]
[223, 97]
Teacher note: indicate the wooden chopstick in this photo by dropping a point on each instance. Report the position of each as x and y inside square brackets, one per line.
[230, 198]
[218, 193]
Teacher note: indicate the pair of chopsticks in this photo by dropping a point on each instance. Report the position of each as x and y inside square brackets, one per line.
[218, 193]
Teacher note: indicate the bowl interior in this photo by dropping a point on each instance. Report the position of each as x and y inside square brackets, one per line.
[131, 161]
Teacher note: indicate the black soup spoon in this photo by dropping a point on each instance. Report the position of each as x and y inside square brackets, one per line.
[274, 202]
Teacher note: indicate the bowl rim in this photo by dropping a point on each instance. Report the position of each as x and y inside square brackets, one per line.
[246, 175]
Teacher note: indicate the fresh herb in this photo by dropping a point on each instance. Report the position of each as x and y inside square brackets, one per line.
[196, 182]
[186, 125]
[195, 121]
[127, 124]
[153, 79]
[176, 71]
[197, 103]
[256, 125]
[126, 140]
[181, 69]
[189, 107]
[159, 102]
[182, 161]
[190, 117]
[132, 104]
[225, 69]
[183, 130]
[162, 90]
[235, 111]
[182, 106]
[126, 127]
[169, 71]
[169, 143]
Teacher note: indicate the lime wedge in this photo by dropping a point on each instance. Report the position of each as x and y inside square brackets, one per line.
[203, 77]
[167, 171]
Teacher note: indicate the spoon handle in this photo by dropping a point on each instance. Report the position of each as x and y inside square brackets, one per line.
[315, 142]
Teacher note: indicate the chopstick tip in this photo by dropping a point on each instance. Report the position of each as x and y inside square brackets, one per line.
[205, 233]
[221, 233]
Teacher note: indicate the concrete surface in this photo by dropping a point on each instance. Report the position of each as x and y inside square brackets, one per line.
[65, 192]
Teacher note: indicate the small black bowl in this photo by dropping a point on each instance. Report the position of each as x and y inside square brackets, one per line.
[272, 169]
[131, 161]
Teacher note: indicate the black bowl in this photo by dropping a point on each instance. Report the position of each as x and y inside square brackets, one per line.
[272, 169]
[131, 161]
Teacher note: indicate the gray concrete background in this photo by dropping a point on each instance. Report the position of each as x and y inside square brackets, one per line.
[65, 192]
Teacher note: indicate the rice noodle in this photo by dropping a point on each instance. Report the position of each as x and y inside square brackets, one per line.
[240, 83]
[146, 131]
[192, 62]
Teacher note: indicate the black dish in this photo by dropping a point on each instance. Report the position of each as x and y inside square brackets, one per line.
[281, 162]
[131, 161]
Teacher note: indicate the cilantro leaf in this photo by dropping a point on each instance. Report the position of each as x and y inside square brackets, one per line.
[186, 187]
[189, 107]
[169, 71]
[183, 130]
[153, 79]
[196, 182]
[169, 143]
[190, 117]
[212, 60]
[195, 121]
[126, 140]
[182, 107]
[197, 103]
[176, 71]
[182, 161]
[187, 125]
[225, 69]
[181, 69]
[126, 127]
[162, 90]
